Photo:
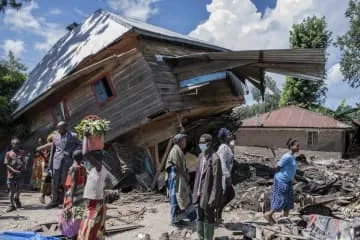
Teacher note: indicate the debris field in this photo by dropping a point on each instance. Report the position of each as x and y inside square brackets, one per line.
[326, 193]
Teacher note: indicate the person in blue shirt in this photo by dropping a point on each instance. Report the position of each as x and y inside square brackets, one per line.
[282, 194]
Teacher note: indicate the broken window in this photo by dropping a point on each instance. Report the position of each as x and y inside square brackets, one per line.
[312, 138]
[202, 80]
[103, 90]
[60, 113]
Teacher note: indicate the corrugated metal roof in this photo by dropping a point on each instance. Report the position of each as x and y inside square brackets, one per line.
[293, 116]
[303, 63]
[98, 31]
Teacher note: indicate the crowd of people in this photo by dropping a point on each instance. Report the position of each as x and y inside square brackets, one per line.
[213, 189]
[68, 171]
[72, 175]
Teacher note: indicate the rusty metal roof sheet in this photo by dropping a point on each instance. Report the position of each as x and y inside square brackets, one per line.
[294, 117]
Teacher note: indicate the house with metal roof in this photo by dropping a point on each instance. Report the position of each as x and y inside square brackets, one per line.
[312, 130]
[145, 79]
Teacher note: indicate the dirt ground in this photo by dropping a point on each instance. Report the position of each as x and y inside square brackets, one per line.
[323, 178]
[151, 211]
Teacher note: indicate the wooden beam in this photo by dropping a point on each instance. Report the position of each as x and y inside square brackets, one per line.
[162, 164]
[179, 118]
[157, 159]
[151, 152]
[194, 70]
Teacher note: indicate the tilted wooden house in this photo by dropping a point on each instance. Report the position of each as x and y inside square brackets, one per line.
[145, 79]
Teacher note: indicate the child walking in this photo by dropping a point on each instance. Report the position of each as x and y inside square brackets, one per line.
[15, 163]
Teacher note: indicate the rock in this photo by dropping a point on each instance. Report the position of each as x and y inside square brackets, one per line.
[144, 236]
[164, 236]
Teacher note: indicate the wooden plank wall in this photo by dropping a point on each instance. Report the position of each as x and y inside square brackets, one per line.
[218, 92]
[165, 81]
[136, 98]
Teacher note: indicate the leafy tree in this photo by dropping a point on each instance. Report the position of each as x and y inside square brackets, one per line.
[12, 75]
[271, 101]
[15, 4]
[248, 111]
[311, 33]
[272, 94]
[349, 44]
[343, 112]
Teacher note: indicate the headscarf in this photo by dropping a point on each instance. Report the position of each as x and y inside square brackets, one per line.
[223, 132]
[206, 138]
[178, 137]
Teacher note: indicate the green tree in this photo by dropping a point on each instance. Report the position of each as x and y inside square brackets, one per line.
[349, 45]
[12, 75]
[15, 4]
[272, 94]
[343, 112]
[311, 33]
[244, 112]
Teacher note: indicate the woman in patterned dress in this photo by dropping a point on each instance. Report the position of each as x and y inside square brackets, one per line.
[46, 177]
[39, 166]
[282, 193]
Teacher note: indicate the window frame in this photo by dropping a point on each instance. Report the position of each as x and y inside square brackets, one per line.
[311, 135]
[112, 89]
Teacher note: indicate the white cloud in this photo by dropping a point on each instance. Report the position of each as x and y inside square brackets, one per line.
[16, 46]
[55, 11]
[23, 20]
[237, 24]
[138, 9]
[80, 12]
[334, 74]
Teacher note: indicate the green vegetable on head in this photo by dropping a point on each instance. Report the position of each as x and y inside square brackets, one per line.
[94, 127]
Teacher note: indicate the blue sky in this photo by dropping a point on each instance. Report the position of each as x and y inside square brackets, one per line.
[235, 24]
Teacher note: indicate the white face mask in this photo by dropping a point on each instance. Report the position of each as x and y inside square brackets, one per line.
[203, 147]
[232, 143]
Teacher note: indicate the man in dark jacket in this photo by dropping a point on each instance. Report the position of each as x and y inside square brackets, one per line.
[207, 188]
[63, 145]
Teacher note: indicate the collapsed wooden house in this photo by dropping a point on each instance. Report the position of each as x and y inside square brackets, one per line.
[146, 80]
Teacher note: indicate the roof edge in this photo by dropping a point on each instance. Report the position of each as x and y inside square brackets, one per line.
[67, 79]
[195, 42]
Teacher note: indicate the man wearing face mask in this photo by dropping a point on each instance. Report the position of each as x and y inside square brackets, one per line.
[207, 192]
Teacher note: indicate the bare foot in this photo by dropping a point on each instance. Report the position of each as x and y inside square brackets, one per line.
[269, 219]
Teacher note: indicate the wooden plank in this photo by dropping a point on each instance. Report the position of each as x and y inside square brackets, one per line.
[114, 230]
[285, 235]
[211, 66]
[162, 164]
[157, 159]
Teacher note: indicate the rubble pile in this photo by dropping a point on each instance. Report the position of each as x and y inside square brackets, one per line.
[325, 191]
